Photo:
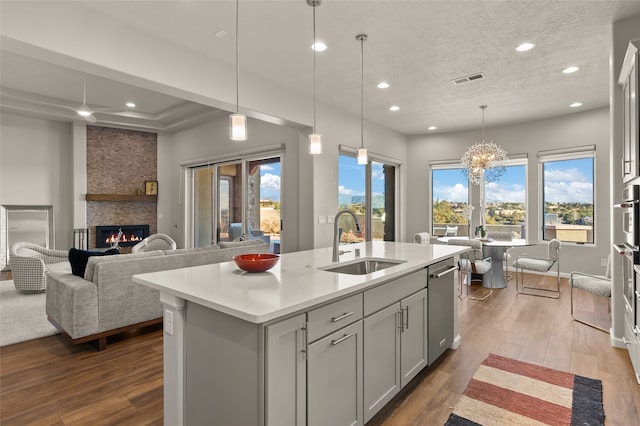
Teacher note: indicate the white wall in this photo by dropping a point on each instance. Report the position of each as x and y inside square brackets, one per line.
[211, 141]
[578, 129]
[36, 169]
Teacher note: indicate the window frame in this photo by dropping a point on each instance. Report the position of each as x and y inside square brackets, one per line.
[575, 153]
[378, 158]
[444, 165]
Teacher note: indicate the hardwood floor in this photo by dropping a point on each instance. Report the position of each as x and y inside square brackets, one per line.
[48, 381]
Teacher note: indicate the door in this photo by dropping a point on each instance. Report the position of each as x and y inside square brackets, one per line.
[286, 373]
[381, 359]
[334, 378]
[413, 341]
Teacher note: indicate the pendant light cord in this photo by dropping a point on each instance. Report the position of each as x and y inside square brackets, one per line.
[314, 68]
[237, 61]
[362, 39]
[483, 107]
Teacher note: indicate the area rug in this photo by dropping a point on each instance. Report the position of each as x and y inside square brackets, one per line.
[22, 316]
[504, 391]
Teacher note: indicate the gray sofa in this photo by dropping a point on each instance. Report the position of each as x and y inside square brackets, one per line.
[107, 301]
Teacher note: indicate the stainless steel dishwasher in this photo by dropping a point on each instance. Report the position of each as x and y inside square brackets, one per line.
[441, 297]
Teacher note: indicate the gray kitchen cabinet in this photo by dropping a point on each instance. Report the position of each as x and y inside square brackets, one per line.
[381, 359]
[414, 341]
[286, 372]
[395, 338]
[334, 378]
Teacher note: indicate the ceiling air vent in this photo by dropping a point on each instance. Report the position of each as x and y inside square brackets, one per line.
[467, 78]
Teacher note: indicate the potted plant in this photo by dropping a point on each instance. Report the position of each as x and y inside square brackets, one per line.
[480, 231]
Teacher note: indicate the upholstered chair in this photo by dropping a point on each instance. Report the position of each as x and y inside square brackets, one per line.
[472, 262]
[154, 242]
[506, 256]
[422, 238]
[545, 264]
[30, 264]
[595, 284]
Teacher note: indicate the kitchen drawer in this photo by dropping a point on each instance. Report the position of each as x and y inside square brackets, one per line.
[387, 294]
[334, 316]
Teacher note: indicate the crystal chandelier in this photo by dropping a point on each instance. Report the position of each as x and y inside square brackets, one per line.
[483, 160]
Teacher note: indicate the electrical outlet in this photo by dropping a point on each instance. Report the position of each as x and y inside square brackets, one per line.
[168, 322]
[603, 263]
[330, 219]
[322, 219]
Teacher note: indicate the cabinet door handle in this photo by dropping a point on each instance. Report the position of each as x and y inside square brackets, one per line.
[400, 319]
[304, 338]
[406, 318]
[443, 273]
[636, 330]
[342, 339]
[341, 317]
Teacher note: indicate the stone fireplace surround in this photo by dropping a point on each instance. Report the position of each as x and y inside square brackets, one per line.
[119, 161]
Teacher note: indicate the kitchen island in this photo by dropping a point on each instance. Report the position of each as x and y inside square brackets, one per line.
[299, 344]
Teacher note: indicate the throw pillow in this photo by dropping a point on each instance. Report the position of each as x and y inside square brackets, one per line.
[79, 259]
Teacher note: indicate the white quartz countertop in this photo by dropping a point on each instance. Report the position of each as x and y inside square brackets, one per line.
[296, 283]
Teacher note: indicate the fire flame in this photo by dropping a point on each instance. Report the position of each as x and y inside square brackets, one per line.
[126, 238]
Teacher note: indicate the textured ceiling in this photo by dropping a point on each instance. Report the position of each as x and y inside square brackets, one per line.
[417, 46]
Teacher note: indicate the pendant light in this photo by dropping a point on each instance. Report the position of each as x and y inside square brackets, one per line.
[315, 139]
[237, 121]
[363, 158]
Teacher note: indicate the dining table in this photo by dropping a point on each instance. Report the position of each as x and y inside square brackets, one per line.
[496, 249]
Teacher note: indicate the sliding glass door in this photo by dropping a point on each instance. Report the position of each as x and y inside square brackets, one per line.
[237, 200]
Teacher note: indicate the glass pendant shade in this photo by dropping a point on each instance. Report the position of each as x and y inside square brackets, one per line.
[363, 158]
[238, 127]
[315, 143]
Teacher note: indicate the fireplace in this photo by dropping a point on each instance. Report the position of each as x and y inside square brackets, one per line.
[131, 235]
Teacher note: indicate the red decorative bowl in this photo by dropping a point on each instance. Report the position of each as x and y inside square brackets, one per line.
[256, 262]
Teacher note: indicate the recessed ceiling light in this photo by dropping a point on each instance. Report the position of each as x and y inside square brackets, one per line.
[432, 127]
[130, 105]
[220, 33]
[383, 85]
[394, 108]
[524, 47]
[576, 104]
[319, 46]
[570, 70]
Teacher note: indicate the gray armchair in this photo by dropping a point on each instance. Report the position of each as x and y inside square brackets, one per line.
[595, 284]
[30, 264]
[154, 242]
[472, 262]
[539, 265]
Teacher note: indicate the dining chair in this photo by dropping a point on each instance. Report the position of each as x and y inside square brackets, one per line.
[595, 284]
[506, 255]
[472, 262]
[545, 264]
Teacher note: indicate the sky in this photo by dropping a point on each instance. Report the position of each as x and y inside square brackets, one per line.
[270, 182]
[351, 177]
[565, 181]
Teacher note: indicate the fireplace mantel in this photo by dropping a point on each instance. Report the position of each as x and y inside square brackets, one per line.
[121, 197]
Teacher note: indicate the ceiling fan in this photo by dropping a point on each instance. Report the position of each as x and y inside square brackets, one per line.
[84, 111]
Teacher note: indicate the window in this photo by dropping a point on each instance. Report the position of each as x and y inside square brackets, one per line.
[450, 201]
[505, 200]
[232, 198]
[368, 191]
[568, 194]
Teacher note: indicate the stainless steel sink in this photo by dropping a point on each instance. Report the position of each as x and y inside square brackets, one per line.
[363, 266]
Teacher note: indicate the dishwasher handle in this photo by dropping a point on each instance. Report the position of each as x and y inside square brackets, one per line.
[443, 273]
